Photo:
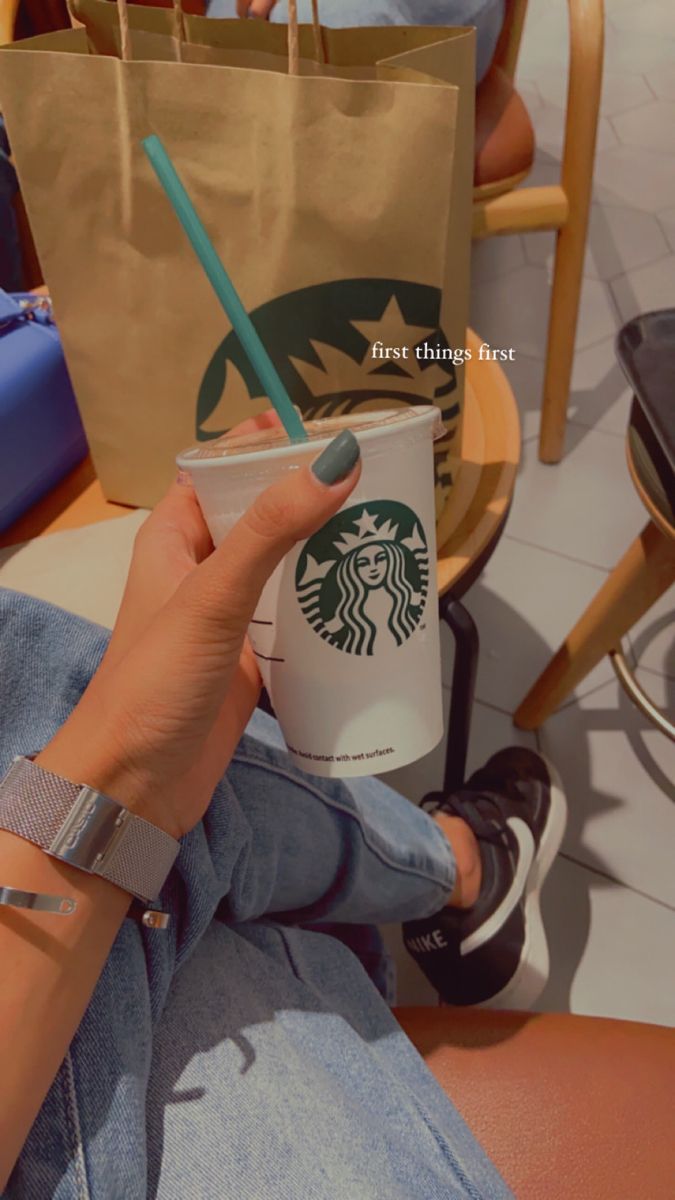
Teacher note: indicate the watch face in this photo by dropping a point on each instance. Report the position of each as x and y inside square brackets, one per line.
[92, 827]
[88, 830]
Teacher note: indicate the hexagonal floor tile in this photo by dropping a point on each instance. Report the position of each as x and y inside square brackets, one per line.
[618, 771]
[600, 397]
[545, 169]
[637, 52]
[524, 604]
[585, 507]
[530, 95]
[490, 731]
[622, 91]
[662, 81]
[661, 688]
[666, 220]
[549, 129]
[646, 288]
[495, 256]
[619, 239]
[655, 17]
[606, 947]
[636, 177]
[539, 249]
[551, 85]
[651, 126]
[653, 637]
[512, 311]
[526, 376]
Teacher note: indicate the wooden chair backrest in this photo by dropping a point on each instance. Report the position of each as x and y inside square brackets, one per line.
[8, 11]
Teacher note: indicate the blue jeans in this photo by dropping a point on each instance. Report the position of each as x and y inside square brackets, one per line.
[486, 15]
[242, 1056]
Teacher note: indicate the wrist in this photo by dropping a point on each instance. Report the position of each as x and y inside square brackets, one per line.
[84, 761]
[27, 867]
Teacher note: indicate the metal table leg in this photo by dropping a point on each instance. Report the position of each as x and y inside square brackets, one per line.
[465, 633]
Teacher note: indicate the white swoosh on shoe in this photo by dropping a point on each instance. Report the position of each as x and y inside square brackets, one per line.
[526, 854]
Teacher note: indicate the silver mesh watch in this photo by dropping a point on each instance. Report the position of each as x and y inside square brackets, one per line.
[88, 830]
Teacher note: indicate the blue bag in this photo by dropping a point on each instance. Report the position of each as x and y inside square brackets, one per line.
[41, 435]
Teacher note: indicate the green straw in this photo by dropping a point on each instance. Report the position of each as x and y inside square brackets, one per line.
[224, 288]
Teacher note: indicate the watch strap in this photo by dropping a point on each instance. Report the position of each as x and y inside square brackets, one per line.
[85, 828]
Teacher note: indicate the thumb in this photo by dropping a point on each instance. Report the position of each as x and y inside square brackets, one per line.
[222, 594]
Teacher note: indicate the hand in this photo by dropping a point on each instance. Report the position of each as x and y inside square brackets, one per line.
[255, 8]
[160, 720]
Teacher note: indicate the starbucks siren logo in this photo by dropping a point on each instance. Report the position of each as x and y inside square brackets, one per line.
[362, 579]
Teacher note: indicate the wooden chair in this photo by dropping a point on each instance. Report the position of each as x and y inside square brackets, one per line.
[504, 152]
[647, 569]
[8, 11]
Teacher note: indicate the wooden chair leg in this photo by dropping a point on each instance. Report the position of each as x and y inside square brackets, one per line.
[644, 573]
[583, 106]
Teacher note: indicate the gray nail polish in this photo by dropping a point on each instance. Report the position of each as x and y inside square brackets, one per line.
[337, 460]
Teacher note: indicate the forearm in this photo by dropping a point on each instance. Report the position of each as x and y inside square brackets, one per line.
[49, 967]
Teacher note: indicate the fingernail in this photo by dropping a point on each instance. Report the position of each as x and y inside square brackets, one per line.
[338, 459]
[184, 479]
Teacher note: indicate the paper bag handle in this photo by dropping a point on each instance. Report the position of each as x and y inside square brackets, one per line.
[180, 34]
[125, 39]
[293, 53]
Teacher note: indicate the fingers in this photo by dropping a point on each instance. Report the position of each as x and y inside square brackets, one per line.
[176, 525]
[264, 420]
[261, 9]
[255, 8]
[170, 687]
[169, 544]
[226, 588]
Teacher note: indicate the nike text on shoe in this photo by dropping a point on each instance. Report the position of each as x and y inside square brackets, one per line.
[495, 953]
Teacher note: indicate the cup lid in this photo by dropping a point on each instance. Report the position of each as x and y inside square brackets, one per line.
[257, 445]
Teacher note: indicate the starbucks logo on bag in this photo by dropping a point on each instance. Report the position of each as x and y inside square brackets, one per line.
[321, 340]
[362, 579]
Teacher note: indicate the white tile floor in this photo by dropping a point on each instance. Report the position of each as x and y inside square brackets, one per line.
[609, 904]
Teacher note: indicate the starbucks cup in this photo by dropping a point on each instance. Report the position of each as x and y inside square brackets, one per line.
[346, 631]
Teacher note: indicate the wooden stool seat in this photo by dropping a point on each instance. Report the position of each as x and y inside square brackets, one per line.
[479, 501]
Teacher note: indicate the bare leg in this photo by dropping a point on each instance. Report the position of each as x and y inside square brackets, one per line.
[565, 1106]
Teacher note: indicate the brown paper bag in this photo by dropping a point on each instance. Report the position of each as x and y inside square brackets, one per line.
[338, 197]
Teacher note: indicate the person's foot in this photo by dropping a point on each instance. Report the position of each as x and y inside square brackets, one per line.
[495, 952]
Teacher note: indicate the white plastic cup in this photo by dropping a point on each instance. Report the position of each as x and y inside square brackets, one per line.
[346, 631]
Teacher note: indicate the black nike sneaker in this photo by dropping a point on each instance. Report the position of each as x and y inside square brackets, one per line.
[495, 953]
